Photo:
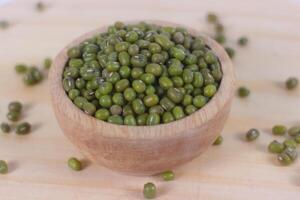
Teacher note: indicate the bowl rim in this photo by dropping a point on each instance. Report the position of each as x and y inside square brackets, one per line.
[221, 99]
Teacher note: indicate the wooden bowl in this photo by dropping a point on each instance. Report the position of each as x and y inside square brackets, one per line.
[143, 150]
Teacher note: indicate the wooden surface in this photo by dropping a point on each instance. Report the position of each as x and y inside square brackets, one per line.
[143, 150]
[233, 171]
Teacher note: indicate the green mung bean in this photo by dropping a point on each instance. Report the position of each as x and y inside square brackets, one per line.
[3, 167]
[294, 131]
[140, 74]
[168, 175]
[291, 83]
[5, 127]
[252, 134]
[149, 191]
[279, 130]
[276, 147]
[243, 92]
[74, 164]
[218, 141]
[23, 128]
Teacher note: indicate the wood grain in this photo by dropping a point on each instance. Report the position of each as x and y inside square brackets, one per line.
[233, 171]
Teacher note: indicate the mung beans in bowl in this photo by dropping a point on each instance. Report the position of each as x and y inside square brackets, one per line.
[142, 97]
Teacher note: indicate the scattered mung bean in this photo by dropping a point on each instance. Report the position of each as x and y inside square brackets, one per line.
[74, 164]
[218, 141]
[149, 191]
[252, 134]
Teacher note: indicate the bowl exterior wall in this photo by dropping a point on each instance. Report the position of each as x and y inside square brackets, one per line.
[142, 156]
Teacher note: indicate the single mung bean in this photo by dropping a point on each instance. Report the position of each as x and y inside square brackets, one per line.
[115, 110]
[288, 156]
[136, 72]
[5, 128]
[4, 24]
[167, 117]
[105, 88]
[118, 99]
[15, 106]
[218, 141]
[79, 101]
[210, 57]
[243, 41]
[199, 101]
[156, 109]
[74, 52]
[21, 68]
[148, 78]
[138, 106]
[89, 108]
[190, 109]
[291, 83]
[153, 119]
[23, 128]
[74, 164]
[105, 101]
[178, 112]
[121, 85]
[220, 38]
[290, 143]
[47, 63]
[168, 175]
[243, 92]
[212, 17]
[3, 167]
[142, 119]
[252, 134]
[175, 95]
[115, 119]
[151, 100]
[276, 147]
[294, 131]
[102, 114]
[40, 6]
[279, 129]
[230, 51]
[209, 90]
[154, 68]
[149, 191]
[139, 86]
[133, 49]
[13, 116]
[73, 93]
[130, 120]
[165, 83]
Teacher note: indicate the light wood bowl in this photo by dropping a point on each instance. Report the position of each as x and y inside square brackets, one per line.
[143, 150]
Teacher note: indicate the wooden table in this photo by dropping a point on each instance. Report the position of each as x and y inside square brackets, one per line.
[235, 170]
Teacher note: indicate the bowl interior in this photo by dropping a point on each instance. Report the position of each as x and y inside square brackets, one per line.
[201, 116]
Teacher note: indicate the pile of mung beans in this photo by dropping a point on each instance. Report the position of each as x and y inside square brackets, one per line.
[141, 74]
[14, 114]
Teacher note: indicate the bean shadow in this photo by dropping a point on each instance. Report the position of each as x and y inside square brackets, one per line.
[85, 163]
[27, 107]
[279, 84]
[12, 166]
[35, 127]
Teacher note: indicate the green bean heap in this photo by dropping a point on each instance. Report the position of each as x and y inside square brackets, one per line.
[141, 74]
